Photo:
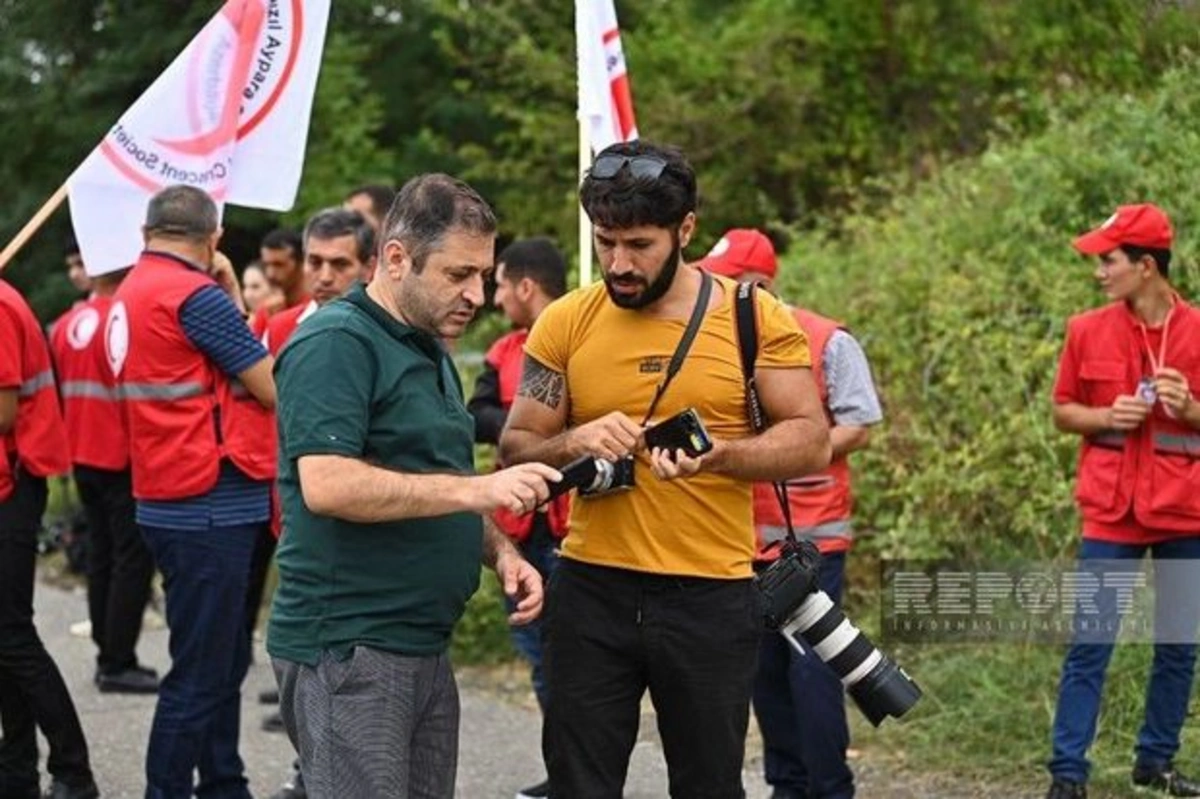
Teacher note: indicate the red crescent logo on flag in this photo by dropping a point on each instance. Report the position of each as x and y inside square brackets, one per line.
[263, 38]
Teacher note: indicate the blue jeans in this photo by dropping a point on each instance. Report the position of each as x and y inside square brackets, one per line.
[196, 722]
[801, 710]
[1087, 660]
[541, 550]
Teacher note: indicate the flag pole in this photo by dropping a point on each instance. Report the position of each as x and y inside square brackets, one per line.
[585, 224]
[31, 227]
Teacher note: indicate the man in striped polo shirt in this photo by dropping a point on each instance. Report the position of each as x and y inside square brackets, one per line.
[196, 386]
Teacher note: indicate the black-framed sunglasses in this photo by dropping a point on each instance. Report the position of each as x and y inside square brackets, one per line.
[606, 167]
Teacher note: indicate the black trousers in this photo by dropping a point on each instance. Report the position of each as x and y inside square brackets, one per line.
[260, 562]
[611, 634]
[119, 566]
[32, 692]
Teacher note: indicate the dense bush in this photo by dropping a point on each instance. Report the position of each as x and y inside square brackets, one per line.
[785, 107]
[961, 290]
[482, 636]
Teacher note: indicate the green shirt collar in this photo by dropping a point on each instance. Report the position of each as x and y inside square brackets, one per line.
[398, 330]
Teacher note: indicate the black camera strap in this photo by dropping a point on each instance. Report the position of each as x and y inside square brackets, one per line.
[685, 343]
[744, 313]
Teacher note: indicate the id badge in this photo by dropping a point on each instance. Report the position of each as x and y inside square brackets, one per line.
[1146, 391]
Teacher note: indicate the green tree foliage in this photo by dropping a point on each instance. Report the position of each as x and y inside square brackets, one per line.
[67, 71]
[343, 146]
[786, 107]
[69, 68]
[961, 291]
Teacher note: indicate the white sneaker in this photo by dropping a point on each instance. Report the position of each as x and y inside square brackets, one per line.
[153, 620]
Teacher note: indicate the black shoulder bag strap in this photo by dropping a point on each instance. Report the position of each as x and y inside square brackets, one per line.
[685, 343]
[747, 334]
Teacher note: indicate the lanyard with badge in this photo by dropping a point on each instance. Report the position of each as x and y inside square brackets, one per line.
[1146, 389]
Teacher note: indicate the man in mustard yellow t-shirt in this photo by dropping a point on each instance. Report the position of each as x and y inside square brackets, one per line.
[654, 590]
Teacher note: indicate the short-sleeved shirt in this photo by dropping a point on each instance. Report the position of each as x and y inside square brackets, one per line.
[212, 323]
[613, 359]
[1070, 388]
[12, 333]
[12, 356]
[850, 390]
[354, 381]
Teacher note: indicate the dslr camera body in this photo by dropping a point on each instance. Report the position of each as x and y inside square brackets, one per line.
[594, 477]
[597, 477]
[794, 605]
[610, 477]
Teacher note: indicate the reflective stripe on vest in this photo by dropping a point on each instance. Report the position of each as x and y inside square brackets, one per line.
[773, 533]
[159, 391]
[89, 389]
[43, 379]
[1177, 444]
[1109, 439]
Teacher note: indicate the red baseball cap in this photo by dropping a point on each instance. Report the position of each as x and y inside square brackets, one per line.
[739, 251]
[1144, 225]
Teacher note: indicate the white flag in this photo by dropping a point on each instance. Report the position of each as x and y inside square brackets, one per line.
[605, 100]
[229, 115]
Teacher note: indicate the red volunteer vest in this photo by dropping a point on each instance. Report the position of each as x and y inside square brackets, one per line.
[821, 504]
[91, 407]
[282, 325]
[38, 440]
[507, 357]
[259, 321]
[183, 414]
[1155, 469]
[280, 328]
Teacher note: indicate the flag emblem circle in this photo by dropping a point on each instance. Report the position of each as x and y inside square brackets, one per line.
[234, 79]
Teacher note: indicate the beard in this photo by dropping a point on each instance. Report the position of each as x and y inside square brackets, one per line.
[651, 292]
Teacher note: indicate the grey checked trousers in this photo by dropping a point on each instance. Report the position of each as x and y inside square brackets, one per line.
[374, 726]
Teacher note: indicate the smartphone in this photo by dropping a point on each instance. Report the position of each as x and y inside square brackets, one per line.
[683, 431]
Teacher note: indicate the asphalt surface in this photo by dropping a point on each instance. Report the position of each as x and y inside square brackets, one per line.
[499, 746]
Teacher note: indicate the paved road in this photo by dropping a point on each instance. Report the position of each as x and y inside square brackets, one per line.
[499, 750]
[499, 747]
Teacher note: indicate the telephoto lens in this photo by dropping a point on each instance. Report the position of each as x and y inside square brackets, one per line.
[794, 605]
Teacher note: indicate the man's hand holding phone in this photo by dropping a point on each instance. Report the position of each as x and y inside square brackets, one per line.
[678, 445]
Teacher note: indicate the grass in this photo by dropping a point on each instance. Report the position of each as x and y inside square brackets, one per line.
[988, 709]
[985, 716]
[63, 499]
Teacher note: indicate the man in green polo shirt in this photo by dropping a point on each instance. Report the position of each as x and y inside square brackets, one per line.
[385, 521]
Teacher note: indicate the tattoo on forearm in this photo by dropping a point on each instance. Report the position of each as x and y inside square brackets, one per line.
[542, 384]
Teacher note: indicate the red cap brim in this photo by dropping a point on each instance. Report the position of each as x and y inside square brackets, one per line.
[1096, 242]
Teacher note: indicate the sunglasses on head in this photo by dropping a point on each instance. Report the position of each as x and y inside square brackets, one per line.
[606, 167]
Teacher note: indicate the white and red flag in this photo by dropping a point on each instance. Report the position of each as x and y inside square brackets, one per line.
[605, 100]
[229, 115]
